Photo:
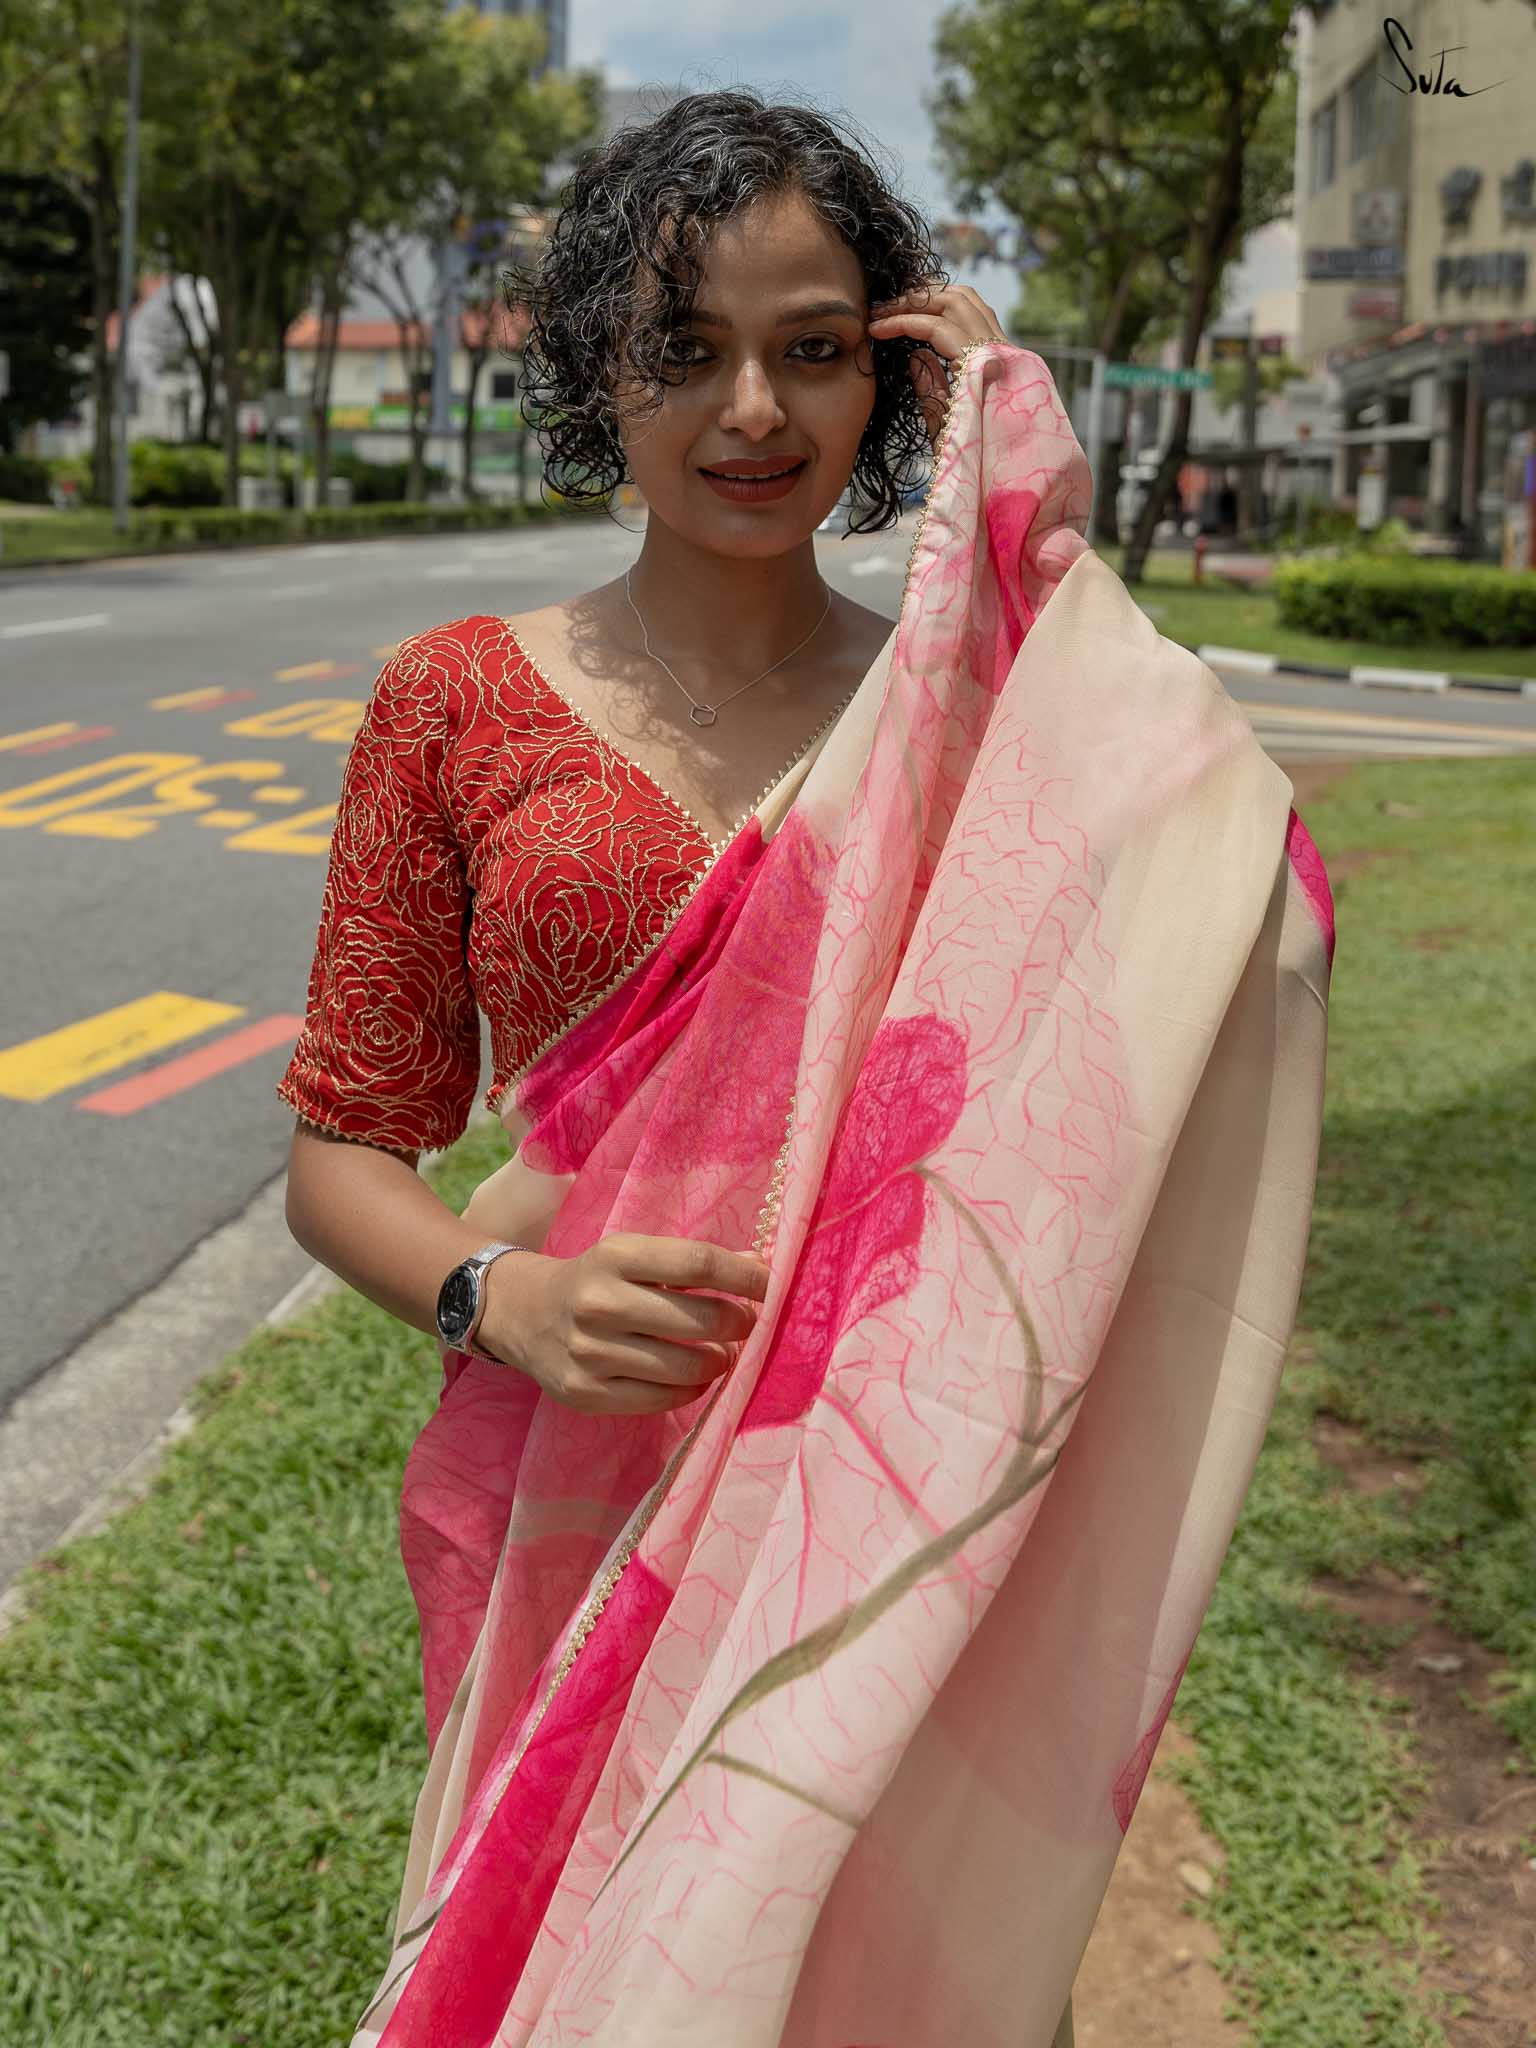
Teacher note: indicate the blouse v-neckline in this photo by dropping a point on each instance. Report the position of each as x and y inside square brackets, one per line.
[716, 846]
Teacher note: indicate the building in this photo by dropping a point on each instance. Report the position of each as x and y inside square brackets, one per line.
[1416, 209]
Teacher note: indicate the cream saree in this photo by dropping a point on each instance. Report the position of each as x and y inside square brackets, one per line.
[812, 1715]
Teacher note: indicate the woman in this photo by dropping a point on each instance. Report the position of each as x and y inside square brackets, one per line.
[872, 1333]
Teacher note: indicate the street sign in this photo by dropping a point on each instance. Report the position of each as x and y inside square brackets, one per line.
[1140, 375]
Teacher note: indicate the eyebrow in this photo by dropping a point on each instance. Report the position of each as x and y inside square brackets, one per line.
[816, 309]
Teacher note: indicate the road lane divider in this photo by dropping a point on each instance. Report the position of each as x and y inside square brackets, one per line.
[75, 738]
[316, 671]
[39, 1068]
[201, 700]
[189, 1069]
[82, 622]
[35, 733]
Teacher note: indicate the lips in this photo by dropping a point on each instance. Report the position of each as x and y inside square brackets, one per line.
[754, 480]
[754, 472]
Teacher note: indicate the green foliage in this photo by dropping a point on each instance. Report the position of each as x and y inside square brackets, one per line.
[1405, 601]
[23, 480]
[44, 298]
[77, 536]
[1275, 372]
[380, 482]
[1104, 131]
[174, 473]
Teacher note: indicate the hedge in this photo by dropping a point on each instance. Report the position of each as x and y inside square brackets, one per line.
[23, 479]
[231, 526]
[1405, 602]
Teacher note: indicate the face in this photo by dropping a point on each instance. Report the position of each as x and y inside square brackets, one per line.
[780, 371]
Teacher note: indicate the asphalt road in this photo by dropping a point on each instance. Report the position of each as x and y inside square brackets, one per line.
[171, 738]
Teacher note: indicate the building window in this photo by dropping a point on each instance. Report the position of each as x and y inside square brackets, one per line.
[1324, 134]
[503, 384]
[1362, 114]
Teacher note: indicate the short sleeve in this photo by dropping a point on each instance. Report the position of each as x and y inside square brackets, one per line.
[389, 1052]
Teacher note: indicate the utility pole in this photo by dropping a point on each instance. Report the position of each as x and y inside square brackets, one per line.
[125, 273]
[1249, 486]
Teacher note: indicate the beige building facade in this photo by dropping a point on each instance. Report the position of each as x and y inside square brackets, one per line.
[1416, 210]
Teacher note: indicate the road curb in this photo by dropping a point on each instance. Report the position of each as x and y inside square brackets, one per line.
[1363, 674]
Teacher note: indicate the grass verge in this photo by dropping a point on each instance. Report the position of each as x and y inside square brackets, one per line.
[1218, 615]
[1418, 1324]
[210, 1718]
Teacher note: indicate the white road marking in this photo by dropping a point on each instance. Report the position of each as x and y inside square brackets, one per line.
[298, 590]
[872, 565]
[445, 570]
[80, 623]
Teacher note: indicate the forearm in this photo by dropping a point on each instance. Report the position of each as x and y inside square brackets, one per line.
[370, 1217]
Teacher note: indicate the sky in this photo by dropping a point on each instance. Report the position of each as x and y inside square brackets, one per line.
[864, 59]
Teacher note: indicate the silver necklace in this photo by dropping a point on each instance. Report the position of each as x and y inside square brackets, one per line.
[706, 714]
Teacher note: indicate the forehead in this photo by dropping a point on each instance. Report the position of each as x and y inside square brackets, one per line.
[776, 245]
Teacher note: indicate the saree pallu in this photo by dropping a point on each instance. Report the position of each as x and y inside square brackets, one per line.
[814, 1713]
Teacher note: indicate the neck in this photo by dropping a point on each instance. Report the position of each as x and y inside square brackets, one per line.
[725, 617]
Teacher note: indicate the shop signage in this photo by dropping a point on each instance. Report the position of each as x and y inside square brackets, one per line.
[1325, 265]
[1376, 218]
[1498, 270]
[1507, 368]
[1517, 194]
[1382, 305]
[360, 419]
[1143, 374]
[1458, 191]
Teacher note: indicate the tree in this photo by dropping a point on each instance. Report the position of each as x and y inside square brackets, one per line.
[45, 300]
[1135, 131]
[1021, 112]
[486, 156]
[64, 91]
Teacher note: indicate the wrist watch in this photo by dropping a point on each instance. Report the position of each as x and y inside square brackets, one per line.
[461, 1298]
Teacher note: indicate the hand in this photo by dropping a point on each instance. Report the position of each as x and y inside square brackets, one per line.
[945, 319]
[610, 1332]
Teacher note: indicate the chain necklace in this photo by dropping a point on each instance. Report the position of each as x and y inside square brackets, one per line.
[706, 714]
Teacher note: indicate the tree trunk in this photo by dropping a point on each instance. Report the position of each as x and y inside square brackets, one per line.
[202, 357]
[332, 295]
[1107, 518]
[101, 199]
[231, 324]
[467, 440]
[1217, 233]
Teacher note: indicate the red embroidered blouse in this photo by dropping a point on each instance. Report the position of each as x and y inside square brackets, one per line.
[490, 848]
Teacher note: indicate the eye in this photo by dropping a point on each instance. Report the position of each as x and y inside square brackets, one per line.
[827, 340]
[679, 341]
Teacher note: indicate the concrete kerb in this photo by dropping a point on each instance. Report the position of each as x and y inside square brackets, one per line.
[1364, 674]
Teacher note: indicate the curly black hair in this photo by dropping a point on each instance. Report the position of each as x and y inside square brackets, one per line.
[619, 270]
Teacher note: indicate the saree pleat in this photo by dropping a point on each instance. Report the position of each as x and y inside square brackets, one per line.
[812, 1715]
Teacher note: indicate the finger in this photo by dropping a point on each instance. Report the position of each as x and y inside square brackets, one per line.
[687, 1262]
[657, 1362]
[685, 1318]
[934, 328]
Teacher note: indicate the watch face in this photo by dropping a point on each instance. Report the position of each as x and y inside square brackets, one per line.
[456, 1303]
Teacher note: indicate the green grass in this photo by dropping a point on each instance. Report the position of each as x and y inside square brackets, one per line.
[1418, 1323]
[1219, 615]
[32, 533]
[211, 1723]
[211, 1719]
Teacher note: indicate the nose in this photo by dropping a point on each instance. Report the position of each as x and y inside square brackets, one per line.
[753, 407]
